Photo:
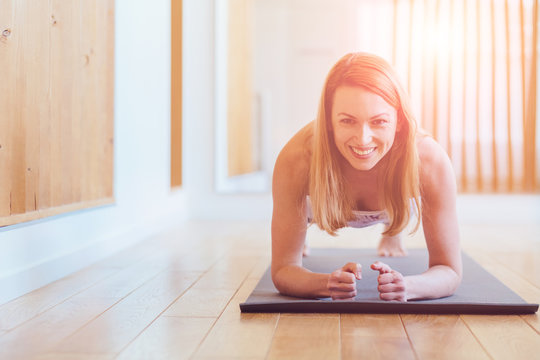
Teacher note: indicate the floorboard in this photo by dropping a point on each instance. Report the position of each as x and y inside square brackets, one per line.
[111, 332]
[374, 336]
[41, 333]
[24, 308]
[237, 335]
[76, 356]
[46, 330]
[169, 337]
[306, 336]
[504, 336]
[442, 337]
[201, 303]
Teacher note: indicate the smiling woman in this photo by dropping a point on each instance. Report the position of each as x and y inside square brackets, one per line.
[364, 113]
[359, 163]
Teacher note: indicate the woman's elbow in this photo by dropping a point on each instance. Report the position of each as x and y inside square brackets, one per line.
[456, 275]
[277, 279]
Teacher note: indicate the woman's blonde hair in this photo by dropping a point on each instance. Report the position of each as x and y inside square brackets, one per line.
[401, 194]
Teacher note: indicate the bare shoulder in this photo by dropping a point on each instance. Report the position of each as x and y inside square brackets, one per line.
[293, 163]
[429, 150]
[436, 172]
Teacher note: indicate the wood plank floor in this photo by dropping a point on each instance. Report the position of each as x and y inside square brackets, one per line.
[176, 296]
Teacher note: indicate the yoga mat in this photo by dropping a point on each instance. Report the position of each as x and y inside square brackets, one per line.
[479, 293]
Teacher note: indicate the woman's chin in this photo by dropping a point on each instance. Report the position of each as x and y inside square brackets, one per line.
[362, 165]
[364, 168]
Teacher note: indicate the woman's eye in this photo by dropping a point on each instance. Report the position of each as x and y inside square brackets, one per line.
[379, 122]
[346, 121]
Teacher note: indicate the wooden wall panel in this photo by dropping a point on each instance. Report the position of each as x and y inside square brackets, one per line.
[89, 103]
[176, 93]
[65, 98]
[240, 88]
[56, 107]
[31, 100]
[107, 42]
[97, 43]
[7, 61]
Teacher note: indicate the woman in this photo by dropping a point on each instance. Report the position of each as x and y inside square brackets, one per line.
[361, 162]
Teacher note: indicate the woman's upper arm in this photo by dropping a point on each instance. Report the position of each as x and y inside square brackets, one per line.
[439, 214]
[289, 216]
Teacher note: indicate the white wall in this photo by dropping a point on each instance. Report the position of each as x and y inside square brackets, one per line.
[295, 45]
[35, 253]
[199, 124]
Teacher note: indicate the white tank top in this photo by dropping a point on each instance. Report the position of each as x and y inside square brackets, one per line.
[361, 218]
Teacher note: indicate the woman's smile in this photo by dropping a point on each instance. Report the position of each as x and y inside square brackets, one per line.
[362, 153]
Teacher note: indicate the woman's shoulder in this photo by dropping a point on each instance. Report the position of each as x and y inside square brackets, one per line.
[435, 165]
[297, 151]
[429, 150]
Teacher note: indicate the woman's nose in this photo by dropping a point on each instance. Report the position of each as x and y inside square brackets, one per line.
[364, 134]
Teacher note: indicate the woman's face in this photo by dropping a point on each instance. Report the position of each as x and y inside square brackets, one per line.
[364, 126]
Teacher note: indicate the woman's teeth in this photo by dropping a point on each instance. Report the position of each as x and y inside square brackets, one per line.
[362, 152]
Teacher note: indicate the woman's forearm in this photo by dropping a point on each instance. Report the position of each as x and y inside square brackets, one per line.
[297, 281]
[437, 282]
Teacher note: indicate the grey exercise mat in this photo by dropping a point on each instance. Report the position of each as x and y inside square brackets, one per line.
[479, 293]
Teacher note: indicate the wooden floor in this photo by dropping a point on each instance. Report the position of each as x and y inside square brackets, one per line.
[176, 296]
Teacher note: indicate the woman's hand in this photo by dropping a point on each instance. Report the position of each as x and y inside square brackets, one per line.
[342, 282]
[391, 283]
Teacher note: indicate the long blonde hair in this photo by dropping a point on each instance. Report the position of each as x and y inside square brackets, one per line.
[401, 190]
